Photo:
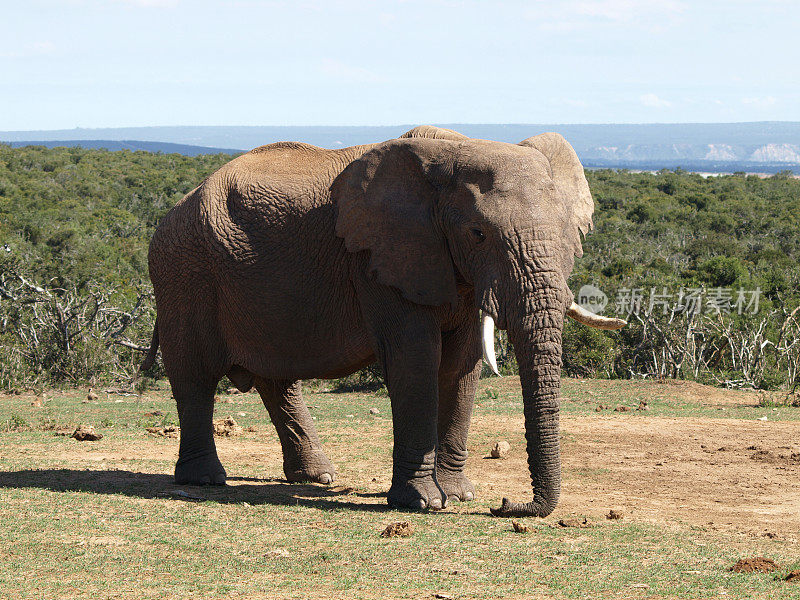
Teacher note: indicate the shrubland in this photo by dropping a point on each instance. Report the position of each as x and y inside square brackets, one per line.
[706, 270]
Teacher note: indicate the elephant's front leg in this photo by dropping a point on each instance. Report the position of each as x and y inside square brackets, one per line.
[458, 376]
[408, 345]
[303, 457]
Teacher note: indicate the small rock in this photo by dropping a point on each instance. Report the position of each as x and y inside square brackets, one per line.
[155, 413]
[443, 596]
[349, 416]
[600, 408]
[91, 396]
[614, 515]
[86, 433]
[241, 414]
[399, 529]
[642, 406]
[576, 522]
[277, 553]
[621, 408]
[764, 418]
[500, 449]
[759, 564]
[374, 411]
[519, 527]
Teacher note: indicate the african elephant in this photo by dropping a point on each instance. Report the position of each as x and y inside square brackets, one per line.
[294, 262]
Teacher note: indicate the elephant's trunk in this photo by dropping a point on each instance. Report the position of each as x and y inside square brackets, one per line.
[537, 343]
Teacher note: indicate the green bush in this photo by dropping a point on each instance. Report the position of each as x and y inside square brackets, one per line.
[78, 222]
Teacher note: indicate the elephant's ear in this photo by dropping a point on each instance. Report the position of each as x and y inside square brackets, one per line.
[386, 203]
[568, 176]
[437, 133]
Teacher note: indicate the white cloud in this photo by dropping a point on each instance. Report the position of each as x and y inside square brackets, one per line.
[653, 101]
[760, 102]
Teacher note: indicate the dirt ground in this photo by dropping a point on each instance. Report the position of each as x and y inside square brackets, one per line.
[732, 480]
[717, 473]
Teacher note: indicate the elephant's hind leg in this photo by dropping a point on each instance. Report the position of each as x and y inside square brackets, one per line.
[303, 457]
[198, 463]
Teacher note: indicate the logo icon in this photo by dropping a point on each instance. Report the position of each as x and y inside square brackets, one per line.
[592, 299]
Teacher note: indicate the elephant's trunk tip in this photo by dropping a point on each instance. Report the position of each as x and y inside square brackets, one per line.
[510, 508]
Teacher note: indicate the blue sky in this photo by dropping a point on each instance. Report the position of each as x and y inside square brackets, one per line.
[109, 63]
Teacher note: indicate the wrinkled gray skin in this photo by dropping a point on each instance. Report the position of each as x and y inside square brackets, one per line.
[295, 262]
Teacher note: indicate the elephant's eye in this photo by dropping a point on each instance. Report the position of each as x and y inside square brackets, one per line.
[478, 235]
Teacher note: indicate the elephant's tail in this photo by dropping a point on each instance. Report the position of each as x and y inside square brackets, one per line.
[150, 358]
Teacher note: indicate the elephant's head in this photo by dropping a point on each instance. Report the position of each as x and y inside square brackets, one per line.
[507, 220]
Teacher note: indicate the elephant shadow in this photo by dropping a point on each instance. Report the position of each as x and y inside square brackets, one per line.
[251, 490]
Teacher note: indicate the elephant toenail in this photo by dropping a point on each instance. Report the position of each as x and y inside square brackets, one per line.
[435, 504]
[469, 496]
[325, 478]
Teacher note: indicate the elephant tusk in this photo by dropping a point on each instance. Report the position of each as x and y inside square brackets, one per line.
[581, 315]
[488, 344]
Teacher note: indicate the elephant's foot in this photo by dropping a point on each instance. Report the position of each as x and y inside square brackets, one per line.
[311, 466]
[200, 470]
[417, 493]
[455, 485]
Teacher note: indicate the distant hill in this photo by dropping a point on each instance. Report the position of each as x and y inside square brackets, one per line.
[133, 145]
[758, 146]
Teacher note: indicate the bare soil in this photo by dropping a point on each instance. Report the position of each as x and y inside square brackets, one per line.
[693, 470]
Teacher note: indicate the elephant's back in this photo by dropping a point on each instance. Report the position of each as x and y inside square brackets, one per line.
[289, 168]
